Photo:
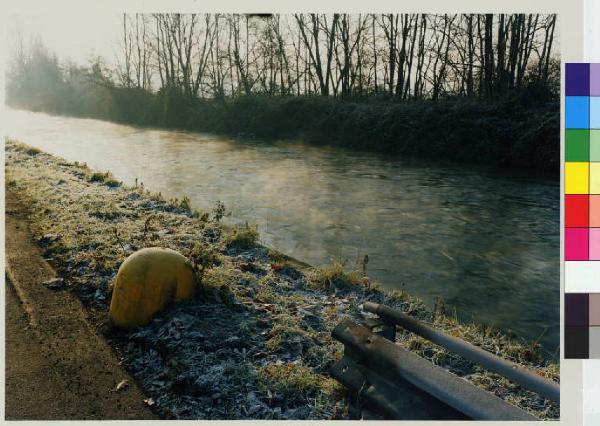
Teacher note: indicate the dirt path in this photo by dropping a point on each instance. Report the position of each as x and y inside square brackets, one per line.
[57, 367]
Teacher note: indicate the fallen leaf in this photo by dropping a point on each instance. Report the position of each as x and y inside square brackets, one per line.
[55, 284]
[122, 385]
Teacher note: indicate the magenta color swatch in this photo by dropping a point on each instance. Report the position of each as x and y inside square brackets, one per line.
[594, 243]
[576, 244]
[594, 79]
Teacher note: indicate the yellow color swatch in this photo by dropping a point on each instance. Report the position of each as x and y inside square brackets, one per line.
[577, 178]
[594, 178]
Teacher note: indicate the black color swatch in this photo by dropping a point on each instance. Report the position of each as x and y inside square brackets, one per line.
[577, 343]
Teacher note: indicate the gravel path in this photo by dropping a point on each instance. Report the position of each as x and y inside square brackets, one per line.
[57, 367]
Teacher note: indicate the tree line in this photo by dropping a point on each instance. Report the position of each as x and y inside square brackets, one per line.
[407, 56]
[449, 86]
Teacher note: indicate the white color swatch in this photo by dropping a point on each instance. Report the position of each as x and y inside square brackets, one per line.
[582, 277]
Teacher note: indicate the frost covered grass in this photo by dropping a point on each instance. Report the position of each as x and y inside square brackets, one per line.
[107, 178]
[256, 343]
[335, 276]
[295, 382]
[243, 237]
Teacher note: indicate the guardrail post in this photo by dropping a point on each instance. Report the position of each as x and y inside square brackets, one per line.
[386, 328]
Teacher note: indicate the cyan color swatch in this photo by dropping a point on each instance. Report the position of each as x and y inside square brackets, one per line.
[577, 112]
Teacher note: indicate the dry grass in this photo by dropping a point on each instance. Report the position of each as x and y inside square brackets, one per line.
[335, 276]
[106, 178]
[243, 237]
[296, 382]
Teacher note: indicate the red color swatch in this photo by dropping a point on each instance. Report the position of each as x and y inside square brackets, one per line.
[577, 211]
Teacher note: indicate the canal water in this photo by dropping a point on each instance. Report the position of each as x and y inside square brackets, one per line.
[486, 241]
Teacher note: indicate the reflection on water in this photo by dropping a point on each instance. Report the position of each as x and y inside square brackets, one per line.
[487, 242]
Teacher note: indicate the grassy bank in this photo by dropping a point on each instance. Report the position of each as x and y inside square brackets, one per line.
[256, 341]
[519, 130]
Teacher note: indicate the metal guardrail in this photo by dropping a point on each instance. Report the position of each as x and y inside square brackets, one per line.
[382, 399]
[510, 370]
[398, 384]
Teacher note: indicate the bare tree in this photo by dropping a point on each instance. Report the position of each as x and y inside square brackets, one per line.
[408, 55]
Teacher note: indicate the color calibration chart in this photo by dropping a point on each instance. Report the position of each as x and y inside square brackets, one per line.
[582, 211]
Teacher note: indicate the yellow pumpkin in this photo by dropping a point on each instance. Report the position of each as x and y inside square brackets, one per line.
[147, 281]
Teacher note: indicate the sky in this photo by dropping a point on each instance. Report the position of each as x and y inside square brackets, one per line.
[71, 37]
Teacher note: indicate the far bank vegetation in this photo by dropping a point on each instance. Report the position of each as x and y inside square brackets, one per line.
[386, 82]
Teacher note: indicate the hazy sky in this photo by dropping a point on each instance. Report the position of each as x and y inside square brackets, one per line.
[73, 37]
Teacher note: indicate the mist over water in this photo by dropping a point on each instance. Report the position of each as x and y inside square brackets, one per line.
[485, 241]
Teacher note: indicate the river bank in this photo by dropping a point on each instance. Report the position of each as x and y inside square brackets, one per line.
[276, 314]
[519, 130]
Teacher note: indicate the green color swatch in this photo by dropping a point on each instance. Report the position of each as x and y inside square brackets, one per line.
[577, 145]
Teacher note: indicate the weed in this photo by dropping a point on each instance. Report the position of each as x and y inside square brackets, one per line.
[221, 282]
[106, 178]
[282, 263]
[219, 211]
[243, 237]
[334, 276]
[295, 383]
[415, 343]
[265, 294]
[204, 256]
[397, 295]
[276, 256]
[108, 211]
[184, 204]
[98, 177]
[33, 151]
[157, 196]
[113, 183]
[285, 336]
[62, 245]
[321, 358]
